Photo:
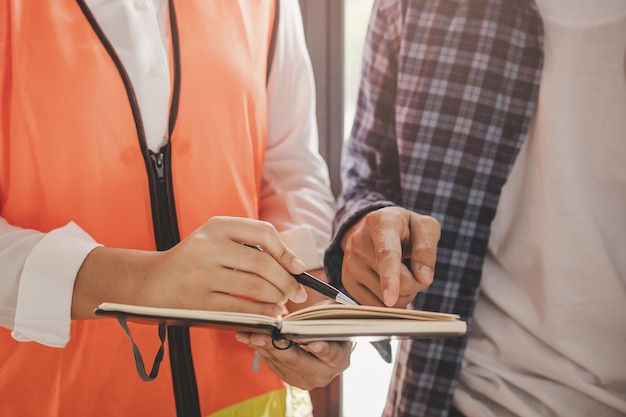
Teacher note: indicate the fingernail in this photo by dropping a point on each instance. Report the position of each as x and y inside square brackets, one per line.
[259, 342]
[386, 298]
[278, 310]
[242, 338]
[298, 266]
[316, 347]
[426, 273]
[301, 296]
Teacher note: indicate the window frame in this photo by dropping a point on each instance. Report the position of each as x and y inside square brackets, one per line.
[323, 28]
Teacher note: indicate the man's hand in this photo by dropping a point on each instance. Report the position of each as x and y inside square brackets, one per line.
[372, 270]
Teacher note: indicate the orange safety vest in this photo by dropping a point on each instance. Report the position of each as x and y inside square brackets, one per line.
[72, 148]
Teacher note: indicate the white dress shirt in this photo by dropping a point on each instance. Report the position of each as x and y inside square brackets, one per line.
[39, 269]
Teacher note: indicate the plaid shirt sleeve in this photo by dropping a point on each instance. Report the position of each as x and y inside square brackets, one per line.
[446, 96]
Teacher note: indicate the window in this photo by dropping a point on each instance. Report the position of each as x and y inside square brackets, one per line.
[335, 31]
[356, 18]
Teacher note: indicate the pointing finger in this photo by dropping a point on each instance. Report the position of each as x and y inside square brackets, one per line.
[425, 234]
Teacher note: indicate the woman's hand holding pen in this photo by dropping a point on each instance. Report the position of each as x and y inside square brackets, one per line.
[209, 269]
[372, 269]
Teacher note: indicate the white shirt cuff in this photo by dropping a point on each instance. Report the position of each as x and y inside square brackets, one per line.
[43, 312]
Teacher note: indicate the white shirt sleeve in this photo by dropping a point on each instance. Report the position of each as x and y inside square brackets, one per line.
[295, 193]
[38, 274]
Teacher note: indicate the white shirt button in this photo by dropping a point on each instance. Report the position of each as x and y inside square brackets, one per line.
[140, 5]
[155, 71]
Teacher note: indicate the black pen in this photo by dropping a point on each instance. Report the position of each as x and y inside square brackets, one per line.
[318, 285]
[324, 288]
[383, 347]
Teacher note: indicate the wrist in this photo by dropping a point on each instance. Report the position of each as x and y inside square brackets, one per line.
[111, 275]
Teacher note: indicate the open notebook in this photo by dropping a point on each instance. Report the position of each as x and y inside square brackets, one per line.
[321, 322]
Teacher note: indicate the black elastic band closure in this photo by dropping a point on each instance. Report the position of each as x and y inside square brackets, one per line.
[141, 368]
[290, 343]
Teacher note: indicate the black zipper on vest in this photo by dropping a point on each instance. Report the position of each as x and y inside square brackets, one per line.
[165, 224]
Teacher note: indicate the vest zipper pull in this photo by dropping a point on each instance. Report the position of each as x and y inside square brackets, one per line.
[157, 160]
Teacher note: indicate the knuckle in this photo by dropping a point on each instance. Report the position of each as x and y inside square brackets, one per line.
[427, 254]
[214, 222]
[266, 229]
[285, 254]
[385, 251]
[376, 221]
[308, 385]
[431, 220]
[371, 218]
[432, 225]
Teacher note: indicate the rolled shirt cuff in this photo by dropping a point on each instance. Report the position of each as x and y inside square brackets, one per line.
[43, 312]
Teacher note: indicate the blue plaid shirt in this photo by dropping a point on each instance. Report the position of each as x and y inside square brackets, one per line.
[447, 92]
